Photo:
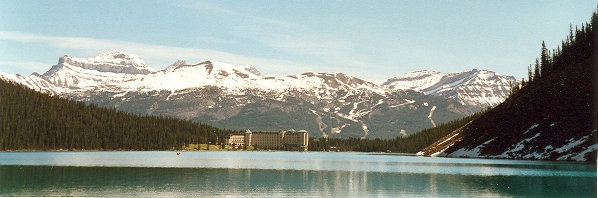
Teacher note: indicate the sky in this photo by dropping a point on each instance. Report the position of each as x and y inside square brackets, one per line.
[371, 39]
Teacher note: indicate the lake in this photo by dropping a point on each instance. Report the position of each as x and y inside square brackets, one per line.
[285, 174]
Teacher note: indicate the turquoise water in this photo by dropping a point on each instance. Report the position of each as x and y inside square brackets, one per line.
[285, 174]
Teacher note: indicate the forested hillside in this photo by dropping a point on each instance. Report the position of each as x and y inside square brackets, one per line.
[409, 144]
[551, 116]
[30, 120]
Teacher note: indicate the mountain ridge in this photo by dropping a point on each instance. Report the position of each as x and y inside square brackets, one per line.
[219, 93]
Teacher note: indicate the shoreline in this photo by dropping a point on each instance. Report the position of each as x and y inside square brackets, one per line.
[223, 150]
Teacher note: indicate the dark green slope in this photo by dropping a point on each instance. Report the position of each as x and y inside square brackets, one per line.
[30, 120]
[553, 117]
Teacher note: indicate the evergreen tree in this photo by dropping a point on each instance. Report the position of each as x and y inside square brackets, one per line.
[530, 75]
[537, 70]
[544, 60]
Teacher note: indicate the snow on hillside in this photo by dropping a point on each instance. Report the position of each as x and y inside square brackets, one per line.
[520, 150]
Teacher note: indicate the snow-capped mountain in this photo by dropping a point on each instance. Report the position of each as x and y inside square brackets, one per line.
[74, 75]
[479, 88]
[239, 97]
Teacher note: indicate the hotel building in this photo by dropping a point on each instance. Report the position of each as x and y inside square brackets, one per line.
[284, 140]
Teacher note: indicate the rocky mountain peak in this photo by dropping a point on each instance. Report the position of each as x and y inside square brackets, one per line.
[174, 65]
[115, 62]
[250, 68]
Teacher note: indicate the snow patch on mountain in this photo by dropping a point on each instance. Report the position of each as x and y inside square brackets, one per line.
[464, 152]
[430, 116]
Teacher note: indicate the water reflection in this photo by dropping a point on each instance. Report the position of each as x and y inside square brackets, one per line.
[301, 161]
[139, 181]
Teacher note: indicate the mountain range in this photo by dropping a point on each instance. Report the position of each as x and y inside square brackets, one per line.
[240, 97]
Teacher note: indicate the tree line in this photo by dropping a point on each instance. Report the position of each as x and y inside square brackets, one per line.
[30, 120]
[576, 47]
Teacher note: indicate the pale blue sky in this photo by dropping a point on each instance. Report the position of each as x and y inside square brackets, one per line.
[373, 40]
